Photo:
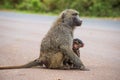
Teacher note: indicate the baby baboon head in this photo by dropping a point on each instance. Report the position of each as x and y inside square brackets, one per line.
[71, 17]
[77, 43]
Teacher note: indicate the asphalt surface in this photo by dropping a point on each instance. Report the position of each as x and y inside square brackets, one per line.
[20, 39]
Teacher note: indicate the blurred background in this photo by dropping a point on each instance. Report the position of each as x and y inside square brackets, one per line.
[89, 8]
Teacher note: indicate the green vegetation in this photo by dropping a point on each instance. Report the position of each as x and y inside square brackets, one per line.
[97, 8]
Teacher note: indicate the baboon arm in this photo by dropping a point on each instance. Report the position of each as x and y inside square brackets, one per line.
[69, 52]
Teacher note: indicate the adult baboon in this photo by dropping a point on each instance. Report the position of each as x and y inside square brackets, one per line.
[58, 41]
[57, 44]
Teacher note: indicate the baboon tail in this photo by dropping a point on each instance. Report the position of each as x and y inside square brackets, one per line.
[28, 65]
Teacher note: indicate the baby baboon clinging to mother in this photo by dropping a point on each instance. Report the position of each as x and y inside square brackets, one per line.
[77, 44]
[57, 44]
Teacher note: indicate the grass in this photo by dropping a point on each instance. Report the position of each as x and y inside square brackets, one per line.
[50, 13]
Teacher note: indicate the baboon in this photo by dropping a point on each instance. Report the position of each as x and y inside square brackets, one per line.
[57, 44]
[58, 41]
[77, 43]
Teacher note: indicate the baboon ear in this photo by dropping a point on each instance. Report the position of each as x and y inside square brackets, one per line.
[63, 15]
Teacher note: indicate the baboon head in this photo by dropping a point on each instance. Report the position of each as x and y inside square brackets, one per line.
[71, 17]
[77, 43]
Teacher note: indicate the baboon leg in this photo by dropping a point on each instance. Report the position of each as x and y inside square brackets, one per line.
[76, 61]
[45, 58]
[56, 61]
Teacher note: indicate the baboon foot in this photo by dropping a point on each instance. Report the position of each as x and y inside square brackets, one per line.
[83, 68]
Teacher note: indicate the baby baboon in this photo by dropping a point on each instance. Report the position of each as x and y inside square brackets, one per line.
[57, 44]
[77, 43]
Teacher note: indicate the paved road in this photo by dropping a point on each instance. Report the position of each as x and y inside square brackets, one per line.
[87, 22]
[21, 35]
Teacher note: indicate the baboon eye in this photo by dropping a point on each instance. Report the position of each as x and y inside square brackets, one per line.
[75, 14]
